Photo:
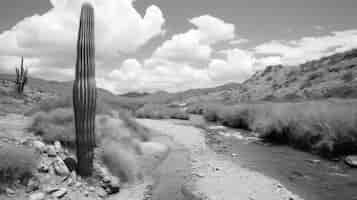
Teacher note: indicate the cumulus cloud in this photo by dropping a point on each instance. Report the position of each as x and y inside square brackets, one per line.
[238, 66]
[195, 44]
[153, 75]
[308, 48]
[51, 38]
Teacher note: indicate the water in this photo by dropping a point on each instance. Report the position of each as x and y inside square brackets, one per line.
[310, 176]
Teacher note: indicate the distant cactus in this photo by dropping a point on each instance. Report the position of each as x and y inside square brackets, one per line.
[84, 92]
[21, 77]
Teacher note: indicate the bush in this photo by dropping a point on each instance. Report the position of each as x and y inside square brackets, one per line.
[157, 111]
[66, 102]
[55, 125]
[325, 127]
[17, 163]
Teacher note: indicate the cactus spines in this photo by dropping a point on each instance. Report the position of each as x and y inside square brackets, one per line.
[84, 92]
[21, 77]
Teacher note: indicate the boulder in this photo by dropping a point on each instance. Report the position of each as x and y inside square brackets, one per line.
[71, 163]
[351, 161]
[60, 167]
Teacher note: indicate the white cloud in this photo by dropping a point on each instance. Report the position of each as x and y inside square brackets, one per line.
[195, 44]
[309, 48]
[134, 76]
[51, 38]
[238, 66]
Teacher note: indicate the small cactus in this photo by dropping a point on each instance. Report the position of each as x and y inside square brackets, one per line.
[21, 77]
[84, 92]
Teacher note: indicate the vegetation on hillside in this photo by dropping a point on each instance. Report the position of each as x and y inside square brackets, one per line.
[157, 111]
[17, 163]
[326, 127]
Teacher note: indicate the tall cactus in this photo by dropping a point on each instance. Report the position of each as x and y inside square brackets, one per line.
[84, 92]
[21, 77]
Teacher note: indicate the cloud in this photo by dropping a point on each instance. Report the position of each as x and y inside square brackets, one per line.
[195, 44]
[51, 38]
[154, 75]
[237, 66]
[308, 48]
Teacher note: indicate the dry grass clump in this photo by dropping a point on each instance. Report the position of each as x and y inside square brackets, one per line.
[55, 125]
[17, 163]
[325, 127]
[157, 111]
[120, 139]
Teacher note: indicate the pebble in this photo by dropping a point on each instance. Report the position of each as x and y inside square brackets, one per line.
[37, 196]
[60, 193]
[58, 146]
[10, 192]
[51, 151]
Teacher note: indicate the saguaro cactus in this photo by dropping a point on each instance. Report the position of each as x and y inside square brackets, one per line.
[21, 77]
[84, 92]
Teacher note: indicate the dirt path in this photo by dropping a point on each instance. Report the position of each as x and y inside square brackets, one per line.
[215, 176]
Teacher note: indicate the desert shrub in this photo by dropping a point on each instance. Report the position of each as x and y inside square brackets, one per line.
[158, 111]
[66, 102]
[195, 109]
[17, 163]
[347, 76]
[55, 125]
[325, 127]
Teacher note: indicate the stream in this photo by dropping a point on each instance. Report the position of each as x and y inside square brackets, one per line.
[308, 175]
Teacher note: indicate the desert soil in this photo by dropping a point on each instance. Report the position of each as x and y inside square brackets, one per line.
[212, 176]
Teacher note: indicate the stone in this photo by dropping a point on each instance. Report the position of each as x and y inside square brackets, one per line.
[33, 185]
[40, 146]
[50, 189]
[313, 161]
[43, 168]
[51, 151]
[60, 167]
[351, 161]
[60, 193]
[113, 186]
[58, 146]
[101, 193]
[10, 192]
[37, 196]
[71, 163]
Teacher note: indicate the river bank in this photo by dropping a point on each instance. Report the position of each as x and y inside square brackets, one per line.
[214, 176]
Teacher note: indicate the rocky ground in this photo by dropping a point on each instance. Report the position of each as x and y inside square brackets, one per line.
[215, 176]
[55, 177]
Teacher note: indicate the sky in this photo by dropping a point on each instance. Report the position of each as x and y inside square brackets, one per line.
[150, 45]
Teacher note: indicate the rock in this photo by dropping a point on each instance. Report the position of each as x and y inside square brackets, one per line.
[101, 193]
[37, 196]
[43, 168]
[51, 151]
[60, 193]
[50, 189]
[33, 185]
[351, 161]
[313, 161]
[40, 146]
[113, 186]
[60, 167]
[70, 163]
[58, 146]
[10, 192]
